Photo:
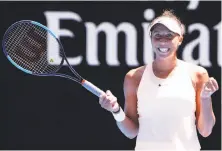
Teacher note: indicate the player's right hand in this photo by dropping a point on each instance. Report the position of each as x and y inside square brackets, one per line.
[109, 102]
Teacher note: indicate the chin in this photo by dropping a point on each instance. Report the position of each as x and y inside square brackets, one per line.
[164, 56]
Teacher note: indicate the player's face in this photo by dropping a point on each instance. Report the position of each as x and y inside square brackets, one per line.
[164, 41]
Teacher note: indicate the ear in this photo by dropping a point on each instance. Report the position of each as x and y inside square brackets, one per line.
[180, 40]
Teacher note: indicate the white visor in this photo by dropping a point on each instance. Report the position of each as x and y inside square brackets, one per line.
[170, 23]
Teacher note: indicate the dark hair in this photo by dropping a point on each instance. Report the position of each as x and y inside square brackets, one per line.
[170, 14]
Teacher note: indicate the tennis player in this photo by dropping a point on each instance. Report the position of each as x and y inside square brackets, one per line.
[165, 101]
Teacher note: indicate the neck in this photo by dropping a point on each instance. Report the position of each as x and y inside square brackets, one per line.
[163, 65]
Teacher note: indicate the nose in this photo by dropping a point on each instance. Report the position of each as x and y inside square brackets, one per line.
[163, 40]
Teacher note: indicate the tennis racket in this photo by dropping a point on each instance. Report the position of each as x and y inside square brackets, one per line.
[25, 45]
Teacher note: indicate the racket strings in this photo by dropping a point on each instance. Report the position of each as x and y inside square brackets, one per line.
[18, 35]
[26, 45]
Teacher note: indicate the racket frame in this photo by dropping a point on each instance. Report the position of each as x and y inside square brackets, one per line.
[86, 84]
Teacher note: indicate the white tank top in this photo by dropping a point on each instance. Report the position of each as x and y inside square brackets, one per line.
[167, 112]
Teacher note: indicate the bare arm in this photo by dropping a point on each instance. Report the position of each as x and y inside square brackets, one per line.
[129, 127]
[128, 124]
[205, 116]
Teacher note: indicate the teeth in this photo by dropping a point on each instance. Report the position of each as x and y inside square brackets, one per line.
[163, 49]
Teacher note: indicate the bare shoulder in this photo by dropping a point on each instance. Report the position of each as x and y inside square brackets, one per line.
[197, 70]
[199, 73]
[134, 75]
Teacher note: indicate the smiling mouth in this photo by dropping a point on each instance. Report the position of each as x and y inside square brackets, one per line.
[164, 50]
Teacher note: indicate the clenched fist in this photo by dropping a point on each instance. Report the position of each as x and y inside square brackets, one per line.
[109, 102]
[209, 88]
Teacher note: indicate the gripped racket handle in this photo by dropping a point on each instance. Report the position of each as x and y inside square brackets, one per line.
[120, 116]
[92, 88]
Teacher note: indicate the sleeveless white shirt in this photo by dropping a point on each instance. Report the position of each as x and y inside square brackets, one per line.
[167, 112]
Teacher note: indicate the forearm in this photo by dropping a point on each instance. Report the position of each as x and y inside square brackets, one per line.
[128, 127]
[206, 118]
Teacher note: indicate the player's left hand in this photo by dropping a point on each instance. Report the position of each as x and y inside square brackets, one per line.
[209, 88]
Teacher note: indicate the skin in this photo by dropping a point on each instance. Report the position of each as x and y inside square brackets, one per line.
[163, 64]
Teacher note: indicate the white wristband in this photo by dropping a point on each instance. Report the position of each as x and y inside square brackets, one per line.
[119, 116]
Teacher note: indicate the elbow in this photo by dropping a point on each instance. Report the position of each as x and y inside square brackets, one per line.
[205, 133]
[205, 129]
[131, 136]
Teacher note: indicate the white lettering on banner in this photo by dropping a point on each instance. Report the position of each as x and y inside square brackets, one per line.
[193, 4]
[111, 43]
[53, 21]
[111, 32]
[148, 55]
[219, 53]
[204, 46]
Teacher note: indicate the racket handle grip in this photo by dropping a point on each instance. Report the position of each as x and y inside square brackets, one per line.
[92, 88]
[118, 116]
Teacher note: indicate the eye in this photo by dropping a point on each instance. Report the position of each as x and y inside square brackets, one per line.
[157, 36]
[169, 36]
